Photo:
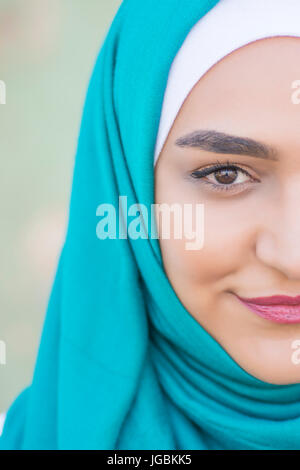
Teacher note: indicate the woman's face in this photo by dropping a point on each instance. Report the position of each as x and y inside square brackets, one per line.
[251, 210]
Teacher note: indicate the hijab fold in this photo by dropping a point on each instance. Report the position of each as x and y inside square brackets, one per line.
[121, 363]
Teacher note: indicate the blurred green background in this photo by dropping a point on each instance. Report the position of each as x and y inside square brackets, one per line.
[47, 52]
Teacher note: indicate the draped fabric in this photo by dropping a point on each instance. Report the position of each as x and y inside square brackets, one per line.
[121, 363]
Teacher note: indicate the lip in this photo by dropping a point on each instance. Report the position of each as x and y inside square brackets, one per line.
[276, 308]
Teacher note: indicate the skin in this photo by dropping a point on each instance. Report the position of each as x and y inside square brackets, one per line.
[251, 231]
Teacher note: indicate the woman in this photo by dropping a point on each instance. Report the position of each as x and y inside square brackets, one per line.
[147, 344]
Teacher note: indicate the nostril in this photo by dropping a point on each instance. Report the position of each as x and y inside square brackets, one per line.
[282, 254]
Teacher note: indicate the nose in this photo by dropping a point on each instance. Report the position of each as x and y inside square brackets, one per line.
[278, 240]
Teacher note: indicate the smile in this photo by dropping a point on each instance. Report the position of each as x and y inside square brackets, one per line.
[277, 308]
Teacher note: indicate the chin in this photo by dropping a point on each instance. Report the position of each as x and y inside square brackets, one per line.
[272, 371]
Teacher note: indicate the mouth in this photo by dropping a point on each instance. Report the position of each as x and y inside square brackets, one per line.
[276, 308]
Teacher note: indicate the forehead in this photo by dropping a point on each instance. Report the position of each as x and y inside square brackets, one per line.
[251, 88]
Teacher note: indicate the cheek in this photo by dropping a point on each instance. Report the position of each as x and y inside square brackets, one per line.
[229, 241]
[230, 232]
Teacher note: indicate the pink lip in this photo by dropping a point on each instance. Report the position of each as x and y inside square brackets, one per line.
[277, 308]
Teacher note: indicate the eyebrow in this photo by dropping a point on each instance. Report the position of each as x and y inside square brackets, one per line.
[220, 142]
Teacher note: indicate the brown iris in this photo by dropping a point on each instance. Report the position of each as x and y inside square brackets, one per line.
[225, 176]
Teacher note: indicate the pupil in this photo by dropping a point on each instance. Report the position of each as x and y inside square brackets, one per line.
[225, 176]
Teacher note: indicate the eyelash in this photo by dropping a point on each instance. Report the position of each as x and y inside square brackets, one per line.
[199, 174]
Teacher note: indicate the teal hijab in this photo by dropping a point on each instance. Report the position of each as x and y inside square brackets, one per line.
[121, 363]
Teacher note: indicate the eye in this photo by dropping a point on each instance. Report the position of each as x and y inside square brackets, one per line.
[225, 177]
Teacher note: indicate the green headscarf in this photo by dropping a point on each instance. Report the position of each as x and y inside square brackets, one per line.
[121, 363]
